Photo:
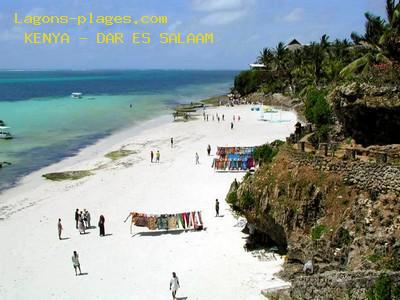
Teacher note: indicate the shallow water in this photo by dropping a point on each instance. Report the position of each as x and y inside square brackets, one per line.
[49, 125]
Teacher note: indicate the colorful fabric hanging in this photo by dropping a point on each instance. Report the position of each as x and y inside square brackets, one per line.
[152, 223]
[172, 222]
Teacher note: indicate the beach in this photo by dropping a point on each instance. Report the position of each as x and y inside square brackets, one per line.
[210, 264]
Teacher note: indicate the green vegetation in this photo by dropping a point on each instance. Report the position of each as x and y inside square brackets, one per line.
[118, 154]
[317, 232]
[232, 198]
[68, 175]
[311, 71]
[384, 289]
[265, 153]
[248, 82]
[247, 200]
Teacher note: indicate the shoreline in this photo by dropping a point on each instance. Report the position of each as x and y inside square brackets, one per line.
[85, 154]
[120, 265]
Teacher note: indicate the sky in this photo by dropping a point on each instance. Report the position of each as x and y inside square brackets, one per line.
[242, 28]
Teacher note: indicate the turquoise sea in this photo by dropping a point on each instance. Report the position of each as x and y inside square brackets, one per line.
[48, 125]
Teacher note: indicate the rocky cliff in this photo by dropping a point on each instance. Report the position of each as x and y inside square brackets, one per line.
[344, 216]
[367, 113]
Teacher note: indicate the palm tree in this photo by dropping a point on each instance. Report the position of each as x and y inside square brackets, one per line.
[381, 41]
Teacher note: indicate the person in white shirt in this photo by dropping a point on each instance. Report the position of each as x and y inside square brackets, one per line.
[75, 262]
[174, 284]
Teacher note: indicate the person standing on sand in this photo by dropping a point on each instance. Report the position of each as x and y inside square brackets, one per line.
[76, 217]
[233, 118]
[158, 156]
[238, 118]
[223, 117]
[197, 158]
[76, 264]
[151, 155]
[216, 208]
[81, 224]
[172, 142]
[174, 285]
[102, 220]
[59, 228]
[231, 125]
[208, 150]
[87, 217]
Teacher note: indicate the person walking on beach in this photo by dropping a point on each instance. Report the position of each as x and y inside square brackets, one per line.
[76, 264]
[174, 285]
[197, 159]
[151, 155]
[216, 208]
[81, 224]
[213, 117]
[102, 220]
[172, 142]
[59, 228]
[233, 118]
[207, 117]
[231, 125]
[76, 217]
[158, 156]
[238, 118]
[223, 117]
[208, 150]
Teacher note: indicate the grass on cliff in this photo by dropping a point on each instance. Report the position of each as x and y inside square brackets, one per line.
[68, 175]
[317, 232]
[384, 289]
[118, 154]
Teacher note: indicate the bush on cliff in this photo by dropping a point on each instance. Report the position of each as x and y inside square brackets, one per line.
[318, 111]
[248, 82]
[384, 289]
[265, 153]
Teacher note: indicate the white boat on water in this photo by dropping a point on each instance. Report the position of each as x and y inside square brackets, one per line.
[5, 133]
[76, 95]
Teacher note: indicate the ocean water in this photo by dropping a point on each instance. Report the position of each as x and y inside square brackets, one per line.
[48, 125]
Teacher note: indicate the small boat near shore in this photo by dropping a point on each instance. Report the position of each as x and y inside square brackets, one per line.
[76, 95]
[5, 133]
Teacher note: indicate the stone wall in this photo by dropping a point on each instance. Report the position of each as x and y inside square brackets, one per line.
[337, 285]
[372, 177]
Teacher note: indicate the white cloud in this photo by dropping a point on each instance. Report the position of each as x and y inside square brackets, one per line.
[174, 25]
[217, 5]
[222, 17]
[222, 12]
[295, 15]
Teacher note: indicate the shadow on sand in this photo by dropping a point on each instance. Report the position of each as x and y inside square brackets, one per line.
[83, 274]
[64, 238]
[181, 298]
[162, 232]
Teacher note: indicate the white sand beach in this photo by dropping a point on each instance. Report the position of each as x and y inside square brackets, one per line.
[210, 264]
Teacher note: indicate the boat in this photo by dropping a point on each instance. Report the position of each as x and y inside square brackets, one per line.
[76, 95]
[5, 133]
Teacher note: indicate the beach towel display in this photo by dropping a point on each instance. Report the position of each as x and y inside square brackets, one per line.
[234, 159]
[184, 221]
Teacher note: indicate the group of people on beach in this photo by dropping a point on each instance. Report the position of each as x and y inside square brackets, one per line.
[157, 160]
[82, 222]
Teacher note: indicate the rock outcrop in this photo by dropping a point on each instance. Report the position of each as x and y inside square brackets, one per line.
[342, 215]
[367, 113]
